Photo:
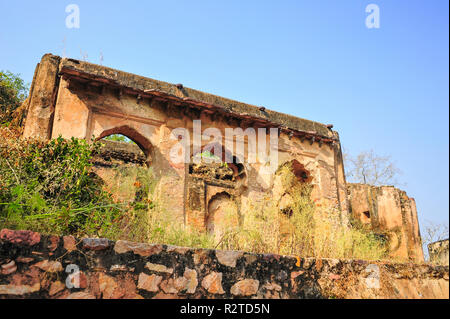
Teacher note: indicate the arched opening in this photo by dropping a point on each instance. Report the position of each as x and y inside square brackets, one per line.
[222, 215]
[291, 186]
[300, 172]
[123, 162]
[129, 134]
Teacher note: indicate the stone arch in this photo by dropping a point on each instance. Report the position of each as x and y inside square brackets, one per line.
[222, 214]
[303, 175]
[298, 169]
[283, 190]
[144, 144]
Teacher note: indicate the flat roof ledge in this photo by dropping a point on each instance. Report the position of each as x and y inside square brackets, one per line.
[176, 92]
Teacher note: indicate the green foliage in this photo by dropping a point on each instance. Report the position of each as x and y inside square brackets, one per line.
[119, 138]
[13, 91]
[115, 137]
[208, 156]
[130, 182]
[50, 187]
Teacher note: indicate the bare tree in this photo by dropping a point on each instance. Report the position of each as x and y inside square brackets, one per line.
[370, 168]
[432, 232]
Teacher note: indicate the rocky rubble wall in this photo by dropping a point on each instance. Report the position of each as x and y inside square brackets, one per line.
[40, 266]
[114, 153]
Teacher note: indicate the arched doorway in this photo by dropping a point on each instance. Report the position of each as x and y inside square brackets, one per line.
[123, 163]
[291, 180]
[222, 215]
[128, 134]
[216, 179]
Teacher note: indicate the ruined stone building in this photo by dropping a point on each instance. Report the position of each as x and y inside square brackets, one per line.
[73, 98]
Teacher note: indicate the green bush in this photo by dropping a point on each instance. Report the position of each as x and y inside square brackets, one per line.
[13, 92]
[119, 138]
[50, 187]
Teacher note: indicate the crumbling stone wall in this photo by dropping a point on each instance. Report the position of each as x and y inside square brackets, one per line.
[113, 153]
[390, 212]
[33, 265]
[438, 252]
[73, 98]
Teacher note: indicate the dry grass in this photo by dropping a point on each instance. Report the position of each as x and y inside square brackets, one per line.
[158, 226]
[151, 222]
[308, 232]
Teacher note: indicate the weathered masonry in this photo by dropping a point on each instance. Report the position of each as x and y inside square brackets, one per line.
[75, 98]
[72, 98]
[39, 266]
[390, 212]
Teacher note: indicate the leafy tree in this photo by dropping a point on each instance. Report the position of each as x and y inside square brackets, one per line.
[370, 168]
[13, 91]
[119, 138]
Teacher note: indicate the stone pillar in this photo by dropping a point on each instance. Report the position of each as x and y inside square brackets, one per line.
[341, 188]
[41, 106]
[71, 115]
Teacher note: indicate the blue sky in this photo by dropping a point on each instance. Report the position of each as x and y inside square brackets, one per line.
[384, 89]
